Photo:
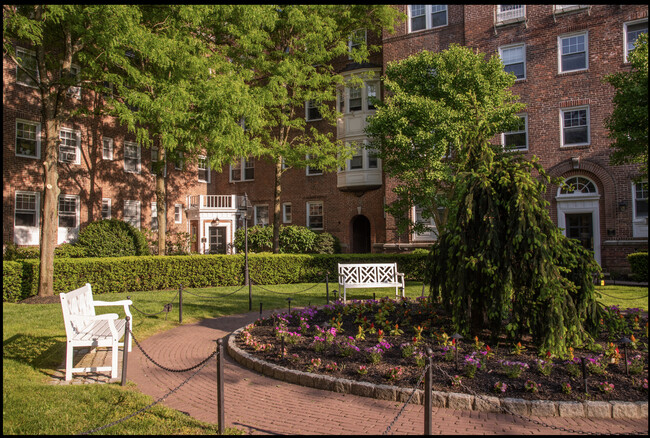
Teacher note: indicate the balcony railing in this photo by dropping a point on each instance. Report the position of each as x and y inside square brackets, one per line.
[215, 202]
[510, 14]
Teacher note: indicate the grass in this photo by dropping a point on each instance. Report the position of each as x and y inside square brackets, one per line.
[34, 346]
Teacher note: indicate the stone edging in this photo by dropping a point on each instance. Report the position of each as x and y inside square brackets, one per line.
[450, 400]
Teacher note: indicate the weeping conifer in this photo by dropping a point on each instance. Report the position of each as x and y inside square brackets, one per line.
[501, 258]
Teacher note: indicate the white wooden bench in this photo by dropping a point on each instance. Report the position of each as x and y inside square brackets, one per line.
[83, 328]
[362, 275]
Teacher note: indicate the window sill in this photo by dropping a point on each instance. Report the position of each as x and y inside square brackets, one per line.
[572, 72]
[28, 156]
[427, 29]
[577, 146]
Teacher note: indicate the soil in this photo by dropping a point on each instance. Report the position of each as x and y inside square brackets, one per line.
[51, 299]
[626, 387]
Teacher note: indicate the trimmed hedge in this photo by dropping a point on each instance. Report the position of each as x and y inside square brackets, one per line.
[144, 273]
[12, 276]
[639, 264]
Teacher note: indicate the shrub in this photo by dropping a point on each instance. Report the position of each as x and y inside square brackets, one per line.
[112, 238]
[11, 281]
[294, 239]
[327, 244]
[69, 250]
[12, 252]
[639, 264]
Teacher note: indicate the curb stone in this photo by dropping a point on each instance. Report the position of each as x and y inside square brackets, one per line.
[539, 408]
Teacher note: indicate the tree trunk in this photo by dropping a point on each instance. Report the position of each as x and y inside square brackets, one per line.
[277, 213]
[161, 205]
[49, 215]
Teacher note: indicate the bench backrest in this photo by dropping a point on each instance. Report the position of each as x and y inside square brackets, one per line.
[360, 273]
[75, 303]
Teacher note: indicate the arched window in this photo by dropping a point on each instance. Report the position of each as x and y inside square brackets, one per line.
[578, 185]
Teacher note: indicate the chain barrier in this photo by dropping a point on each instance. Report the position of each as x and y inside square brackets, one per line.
[166, 308]
[286, 293]
[619, 298]
[139, 411]
[170, 369]
[539, 423]
[387, 431]
[213, 298]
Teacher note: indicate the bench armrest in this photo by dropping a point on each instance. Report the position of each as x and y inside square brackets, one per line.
[105, 316]
[113, 303]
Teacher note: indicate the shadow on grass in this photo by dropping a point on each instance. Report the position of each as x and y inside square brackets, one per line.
[35, 351]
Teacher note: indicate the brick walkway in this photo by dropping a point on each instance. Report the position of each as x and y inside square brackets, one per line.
[261, 405]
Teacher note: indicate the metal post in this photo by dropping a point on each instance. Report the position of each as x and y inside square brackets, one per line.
[428, 405]
[327, 288]
[627, 372]
[584, 375]
[282, 346]
[260, 310]
[247, 279]
[220, 398]
[180, 304]
[422, 295]
[125, 351]
[289, 301]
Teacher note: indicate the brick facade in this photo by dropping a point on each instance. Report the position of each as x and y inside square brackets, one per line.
[353, 211]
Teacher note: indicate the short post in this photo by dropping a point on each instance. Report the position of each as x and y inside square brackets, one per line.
[260, 310]
[422, 295]
[625, 340]
[282, 346]
[180, 303]
[584, 374]
[289, 301]
[374, 298]
[428, 405]
[327, 288]
[456, 337]
[220, 398]
[125, 351]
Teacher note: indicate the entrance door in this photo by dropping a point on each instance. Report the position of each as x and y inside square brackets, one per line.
[194, 236]
[580, 226]
[360, 235]
[217, 240]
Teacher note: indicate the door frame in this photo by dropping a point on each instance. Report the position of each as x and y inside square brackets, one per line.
[574, 204]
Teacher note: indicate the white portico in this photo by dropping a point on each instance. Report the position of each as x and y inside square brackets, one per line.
[213, 220]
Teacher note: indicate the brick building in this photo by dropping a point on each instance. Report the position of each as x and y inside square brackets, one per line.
[559, 54]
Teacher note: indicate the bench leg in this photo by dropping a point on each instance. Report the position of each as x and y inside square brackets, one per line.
[68, 361]
[114, 355]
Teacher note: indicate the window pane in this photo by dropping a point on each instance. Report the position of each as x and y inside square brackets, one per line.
[68, 147]
[25, 210]
[418, 17]
[633, 32]
[372, 160]
[355, 99]
[641, 199]
[27, 62]
[357, 161]
[26, 139]
[517, 69]
[372, 94]
[438, 19]
[575, 135]
[516, 141]
[575, 61]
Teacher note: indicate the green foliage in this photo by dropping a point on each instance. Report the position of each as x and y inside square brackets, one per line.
[327, 243]
[11, 280]
[13, 252]
[628, 123]
[639, 264]
[438, 107]
[294, 239]
[112, 238]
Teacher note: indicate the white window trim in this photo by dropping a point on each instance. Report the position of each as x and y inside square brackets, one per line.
[575, 108]
[178, 212]
[154, 214]
[255, 218]
[308, 105]
[242, 174]
[109, 203]
[427, 236]
[309, 203]
[284, 213]
[625, 25]
[427, 14]
[38, 138]
[559, 51]
[503, 135]
[512, 46]
[27, 235]
[111, 143]
[139, 149]
[77, 135]
[500, 17]
[139, 210]
[207, 169]
[634, 218]
[31, 53]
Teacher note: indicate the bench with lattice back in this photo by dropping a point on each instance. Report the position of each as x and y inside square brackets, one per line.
[365, 275]
[83, 328]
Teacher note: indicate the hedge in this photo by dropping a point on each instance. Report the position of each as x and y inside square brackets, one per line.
[12, 275]
[145, 273]
[639, 264]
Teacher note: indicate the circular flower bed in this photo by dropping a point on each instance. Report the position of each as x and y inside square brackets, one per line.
[385, 342]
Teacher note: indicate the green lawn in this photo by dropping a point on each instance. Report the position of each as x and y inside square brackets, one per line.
[34, 346]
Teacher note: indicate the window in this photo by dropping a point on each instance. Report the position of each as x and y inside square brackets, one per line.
[311, 111]
[248, 173]
[131, 157]
[514, 60]
[286, 212]
[107, 148]
[428, 223]
[371, 94]
[518, 138]
[315, 215]
[69, 146]
[510, 13]
[632, 32]
[573, 52]
[74, 74]
[313, 170]
[354, 96]
[28, 139]
[106, 208]
[363, 159]
[68, 211]
[155, 156]
[154, 216]
[578, 185]
[178, 162]
[132, 213]
[640, 196]
[204, 169]
[261, 215]
[26, 211]
[178, 213]
[427, 16]
[357, 38]
[356, 162]
[575, 126]
[28, 68]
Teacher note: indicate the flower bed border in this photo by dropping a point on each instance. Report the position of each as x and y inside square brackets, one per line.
[450, 400]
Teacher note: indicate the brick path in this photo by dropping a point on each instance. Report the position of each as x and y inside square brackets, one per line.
[261, 405]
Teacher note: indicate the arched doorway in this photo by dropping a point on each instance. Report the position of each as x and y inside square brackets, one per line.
[360, 234]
